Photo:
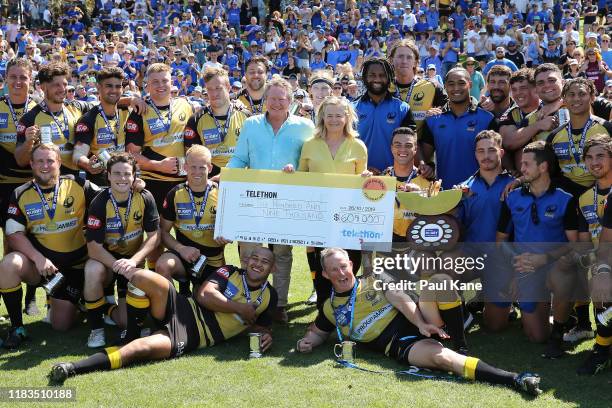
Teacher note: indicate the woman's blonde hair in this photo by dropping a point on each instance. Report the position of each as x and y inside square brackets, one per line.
[351, 117]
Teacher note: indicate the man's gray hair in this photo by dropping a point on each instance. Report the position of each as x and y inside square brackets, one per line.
[327, 252]
[279, 82]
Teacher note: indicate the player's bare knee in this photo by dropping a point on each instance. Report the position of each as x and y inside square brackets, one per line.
[95, 273]
[443, 359]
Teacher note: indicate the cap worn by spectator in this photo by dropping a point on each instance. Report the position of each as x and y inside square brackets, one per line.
[591, 35]
[356, 42]
[197, 89]
[237, 85]
[609, 82]
[431, 66]
[253, 43]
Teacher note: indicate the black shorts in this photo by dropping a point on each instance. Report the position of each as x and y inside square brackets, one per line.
[6, 190]
[208, 270]
[160, 189]
[72, 289]
[403, 341]
[180, 322]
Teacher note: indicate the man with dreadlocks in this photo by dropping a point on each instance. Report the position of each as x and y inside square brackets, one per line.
[380, 113]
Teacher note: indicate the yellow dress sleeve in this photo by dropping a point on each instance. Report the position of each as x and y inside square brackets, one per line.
[361, 156]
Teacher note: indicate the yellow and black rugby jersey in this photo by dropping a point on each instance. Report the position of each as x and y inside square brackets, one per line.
[558, 139]
[160, 136]
[93, 131]
[403, 217]
[562, 114]
[592, 204]
[376, 321]
[62, 238]
[62, 128]
[421, 95]
[178, 208]
[202, 129]
[215, 327]
[10, 172]
[513, 116]
[253, 106]
[105, 227]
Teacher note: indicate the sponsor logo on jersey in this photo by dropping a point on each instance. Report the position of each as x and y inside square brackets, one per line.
[94, 222]
[189, 133]
[223, 272]
[13, 210]
[82, 128]
[131, 126]
[34, 211]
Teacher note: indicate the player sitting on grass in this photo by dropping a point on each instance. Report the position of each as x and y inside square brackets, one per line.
[228, 303]
[360, 313]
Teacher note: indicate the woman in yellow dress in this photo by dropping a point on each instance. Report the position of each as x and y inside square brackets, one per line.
[334, 148]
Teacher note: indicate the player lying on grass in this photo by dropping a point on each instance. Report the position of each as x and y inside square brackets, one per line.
[228, 303]
[360, 313]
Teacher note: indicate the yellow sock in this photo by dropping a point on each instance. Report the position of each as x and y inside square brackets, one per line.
[449, 305]
[114, 357]
[469, 367]
[603, 341]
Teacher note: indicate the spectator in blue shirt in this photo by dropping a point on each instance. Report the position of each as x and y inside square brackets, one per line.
[250, 31]
[233, 17]
[432, 58]
[459, 17]
[500, 59]
[449, 50]
[433, 16]
[452, 134]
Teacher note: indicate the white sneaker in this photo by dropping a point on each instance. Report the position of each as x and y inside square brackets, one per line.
[96, 338]
[605, 317]
[578, 333]
[109, 320]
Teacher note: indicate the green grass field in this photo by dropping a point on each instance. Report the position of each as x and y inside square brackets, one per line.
[224, 376]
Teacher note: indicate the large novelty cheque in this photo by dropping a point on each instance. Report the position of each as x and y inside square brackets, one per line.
[313, 209]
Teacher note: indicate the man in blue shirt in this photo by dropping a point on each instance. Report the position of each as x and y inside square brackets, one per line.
[452, 134]
[541, 218]
[273, 141]
[500, 59]
[380, 113]
[479, 209]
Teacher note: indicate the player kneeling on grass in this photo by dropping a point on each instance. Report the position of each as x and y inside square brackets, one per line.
[228, 303]
[361, 313]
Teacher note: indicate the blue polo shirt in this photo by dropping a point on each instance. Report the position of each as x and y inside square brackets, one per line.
[555, 212]
[377, 122]
[479, 210]
[453, 138]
